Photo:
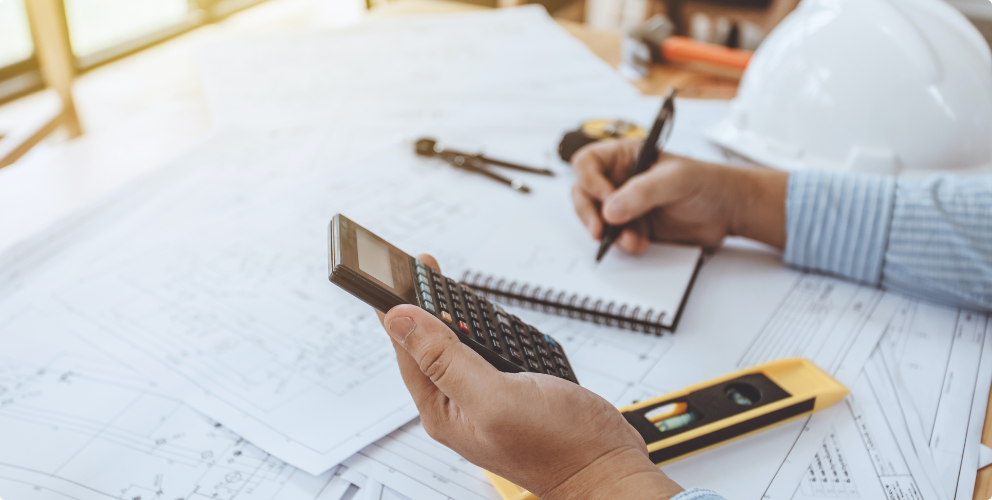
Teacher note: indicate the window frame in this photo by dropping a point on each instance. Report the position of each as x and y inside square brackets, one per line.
[24, 77]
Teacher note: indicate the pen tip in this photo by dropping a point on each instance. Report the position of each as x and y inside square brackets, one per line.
[601, 253]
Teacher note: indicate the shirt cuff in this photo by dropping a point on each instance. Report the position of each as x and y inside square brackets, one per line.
[839, 223]
[697, 494]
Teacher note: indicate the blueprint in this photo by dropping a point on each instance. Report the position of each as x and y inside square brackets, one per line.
[493, 56]
[77, 424]
[912, 421]
[253, 334]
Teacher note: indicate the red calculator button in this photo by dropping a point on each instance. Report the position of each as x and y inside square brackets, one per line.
[463, 326]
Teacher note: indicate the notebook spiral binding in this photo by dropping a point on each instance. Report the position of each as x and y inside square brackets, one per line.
[564, 304]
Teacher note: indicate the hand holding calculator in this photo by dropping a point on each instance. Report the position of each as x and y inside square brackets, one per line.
[546, 434]
[383, 276]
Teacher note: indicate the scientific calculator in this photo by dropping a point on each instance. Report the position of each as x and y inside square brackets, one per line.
[383, 276]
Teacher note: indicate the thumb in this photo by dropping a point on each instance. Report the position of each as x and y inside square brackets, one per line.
[453, 367]
[659, 186]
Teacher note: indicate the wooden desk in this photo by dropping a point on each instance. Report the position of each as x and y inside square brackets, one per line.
[143, 109]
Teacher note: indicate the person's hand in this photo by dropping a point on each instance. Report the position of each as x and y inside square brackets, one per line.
[677, 199]
[553, 437]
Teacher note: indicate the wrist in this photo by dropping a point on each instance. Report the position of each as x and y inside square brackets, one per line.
[625, 474]
[760, 209]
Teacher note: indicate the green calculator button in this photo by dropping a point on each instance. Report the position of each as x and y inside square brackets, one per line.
[429, 306]
[425, 288]
[421, 278]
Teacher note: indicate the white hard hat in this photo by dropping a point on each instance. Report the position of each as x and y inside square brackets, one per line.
[885, 86]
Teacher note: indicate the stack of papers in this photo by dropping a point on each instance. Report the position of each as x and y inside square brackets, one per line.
[181, 340]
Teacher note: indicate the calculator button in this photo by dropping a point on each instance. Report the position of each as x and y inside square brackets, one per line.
[564, 372]
[529, 352]
[560, 360]
[509, 341]
[445, 316]
[543, 351]
[533, 366]
[463, 326]
[425, 288]
[429, 306]
[556, 349]
[460, 314]
[495, 345]
[475, 325]
[515, 356]
[546, 362]
[421, 278]
[551, 371]
[426, 296]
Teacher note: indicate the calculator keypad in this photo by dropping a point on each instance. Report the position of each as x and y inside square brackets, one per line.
[479, 322]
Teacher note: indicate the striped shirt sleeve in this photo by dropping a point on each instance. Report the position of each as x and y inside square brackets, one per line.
[839, 223]
[931, 238]
[940, 241]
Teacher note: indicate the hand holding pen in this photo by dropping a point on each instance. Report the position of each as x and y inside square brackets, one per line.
[649, 154]
[676, 200]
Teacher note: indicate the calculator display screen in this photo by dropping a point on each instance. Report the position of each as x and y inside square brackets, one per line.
[373, 256]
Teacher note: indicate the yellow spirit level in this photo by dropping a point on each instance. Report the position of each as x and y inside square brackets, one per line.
[719, 411]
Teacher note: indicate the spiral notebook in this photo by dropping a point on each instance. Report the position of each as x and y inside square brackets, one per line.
[556, 272]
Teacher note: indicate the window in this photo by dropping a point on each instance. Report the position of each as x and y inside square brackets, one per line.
[98, 25]
[99, 31]
[15, 35]
[18, 68]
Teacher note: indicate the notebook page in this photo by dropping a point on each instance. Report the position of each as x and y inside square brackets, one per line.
[550, 248]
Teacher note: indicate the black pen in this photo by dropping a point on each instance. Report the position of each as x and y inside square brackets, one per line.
[648, 156]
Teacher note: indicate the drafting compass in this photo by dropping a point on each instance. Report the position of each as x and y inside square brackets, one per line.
[477, 163]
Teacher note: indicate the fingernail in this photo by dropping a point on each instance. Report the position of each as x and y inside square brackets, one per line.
[400, 327]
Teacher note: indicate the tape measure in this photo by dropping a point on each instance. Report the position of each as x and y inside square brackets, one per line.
[598, 130]
[719, 411]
